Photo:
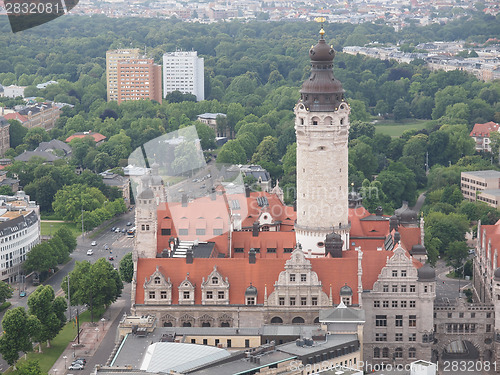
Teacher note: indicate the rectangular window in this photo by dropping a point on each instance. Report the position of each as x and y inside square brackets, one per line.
[399, 337]
[186, 295]
[163, 294]
[281, 301]
[376, 303]
[394, 304]
[210, 295]
[399, 320]
[292, 277]
[394, 273]
[216, 342]
[221, 294]
[218, 232]
[461, 315]
[403, 288]
[166, 232]
[488, 315]
[381, 320]
[271, 249]
[303, 301]
[303, 277]
[239, 250]
[472, 315]
[247, 343]
[183, 232]
[205, 341]
[412, 288]
[152, 295]
[288, 249]
[250, 300]
[381, 337]
[228, 343]
[403, 304]
[403, 273]
[394, 288]
[412, 321]
[292, 301]
[385, 303]
[413, 337]
[488, 327]
[385, 289]
[412, 304]
[193, 341]
[314, 301]
[200, 232]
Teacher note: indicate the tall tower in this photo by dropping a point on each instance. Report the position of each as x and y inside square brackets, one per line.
[322, 128]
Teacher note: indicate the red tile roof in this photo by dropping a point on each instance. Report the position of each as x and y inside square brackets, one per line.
[483, 130]
[16, 116]
[97, 136]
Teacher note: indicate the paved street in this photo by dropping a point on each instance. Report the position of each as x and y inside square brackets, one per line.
[119, 244]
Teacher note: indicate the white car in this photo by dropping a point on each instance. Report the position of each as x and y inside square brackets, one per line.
[94, 243]
[90, 252]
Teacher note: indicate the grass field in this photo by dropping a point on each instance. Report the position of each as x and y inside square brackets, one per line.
[49, 356]
[49, 228]
[396, 129]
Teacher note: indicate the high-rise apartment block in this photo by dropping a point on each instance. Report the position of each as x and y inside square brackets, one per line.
[184, 72]
[138, 79]
[112, 59]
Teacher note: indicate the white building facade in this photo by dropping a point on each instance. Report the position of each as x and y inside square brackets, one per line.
[184, 72]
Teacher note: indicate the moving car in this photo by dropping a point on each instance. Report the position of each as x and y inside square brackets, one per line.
[22, 294]
[111, 258]
[129, 224]
[90, 252]
[117, 230]
[94, 243]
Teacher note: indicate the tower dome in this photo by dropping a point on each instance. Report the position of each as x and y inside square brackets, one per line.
[426, 273]
[322, 91]
[251, 291]
[346, 290]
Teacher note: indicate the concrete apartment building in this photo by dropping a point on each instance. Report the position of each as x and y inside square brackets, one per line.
[19, 232]
[184, 72]
[481, 186]
[138, 79]
[112, 59]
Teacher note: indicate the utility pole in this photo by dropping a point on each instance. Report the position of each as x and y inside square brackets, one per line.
[69, 300]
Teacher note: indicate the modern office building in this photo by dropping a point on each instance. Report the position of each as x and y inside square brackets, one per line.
[138, 79]
[184, 72]
[112, 59]
[19, 232]
[480, 186]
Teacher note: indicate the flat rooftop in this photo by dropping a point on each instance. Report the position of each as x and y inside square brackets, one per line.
[484, 174]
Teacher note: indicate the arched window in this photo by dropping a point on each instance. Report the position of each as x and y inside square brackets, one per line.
[316, 320]
[376, 352]
[186, 324]
[157, 280]
[398, 353]
[385, 353]
[276, 320]
[205, 324]
[225, 324]
[167, 324]
[298, 320]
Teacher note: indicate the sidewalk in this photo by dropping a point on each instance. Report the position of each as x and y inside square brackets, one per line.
[91, 336]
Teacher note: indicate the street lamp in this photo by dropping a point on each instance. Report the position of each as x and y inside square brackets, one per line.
[97, 331]
[55, 371]
[65, 358]
[103, 320]
[73, 346]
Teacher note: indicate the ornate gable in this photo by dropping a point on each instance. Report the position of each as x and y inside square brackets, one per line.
[157, 289]
[186, 292]
[215, 289]
[399, 268]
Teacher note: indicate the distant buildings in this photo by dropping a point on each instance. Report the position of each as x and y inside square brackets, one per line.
[112, 59]
[98, 138]
[210, 119]
[138, 79]
[184, 72]
[4, 135]
[115, 180]
[19, 232]
[481, 135]
[481, 186]
[13, 91]
[41, 115]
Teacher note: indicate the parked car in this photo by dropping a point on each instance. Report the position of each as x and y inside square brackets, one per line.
[113, 229]
[117, 230]
[124, 230]
[79, 361]
[129, 224]
[76, 366]
[90, 252]
[22, 294]
[111, 258]
[82, 360]
[94, 243]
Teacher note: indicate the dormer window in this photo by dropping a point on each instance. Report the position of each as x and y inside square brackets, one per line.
[215, 280]
[186, 295]
[157, 280]
[250, 300]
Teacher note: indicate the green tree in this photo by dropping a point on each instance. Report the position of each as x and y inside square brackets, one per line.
[267, 151]
[49, 310]
[69, 201]
[6, 292]
[127, 268]
[29, 367]
[17, 132]
[447, 228]
[401, 110]
[34, 136]
[206, 135]
[232, 153]
[19, 329]
[67, 238]
[42, 258]
[97, 285]
[361, 156]
[359, 128]
[249, 142]
[456, 253]
[398, 184]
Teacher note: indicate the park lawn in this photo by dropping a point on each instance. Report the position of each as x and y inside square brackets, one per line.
[49, 228]
[396, 129]
[49, 356]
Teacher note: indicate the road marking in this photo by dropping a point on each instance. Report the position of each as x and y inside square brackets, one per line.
[60, 292]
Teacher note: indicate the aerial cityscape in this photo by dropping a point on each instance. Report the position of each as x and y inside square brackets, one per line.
[250, 187]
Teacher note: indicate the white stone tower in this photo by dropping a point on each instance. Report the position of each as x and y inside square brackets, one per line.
[145, 220]
[322, 128]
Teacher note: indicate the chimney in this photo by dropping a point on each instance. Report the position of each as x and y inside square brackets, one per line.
[294, 206]
[251, 256]
[247, 191]
[393, 223]
[379, 211]
[189, 256]
[184, 200]
[255, 229]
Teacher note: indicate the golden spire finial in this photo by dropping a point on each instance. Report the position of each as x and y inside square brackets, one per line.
[322, 20]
